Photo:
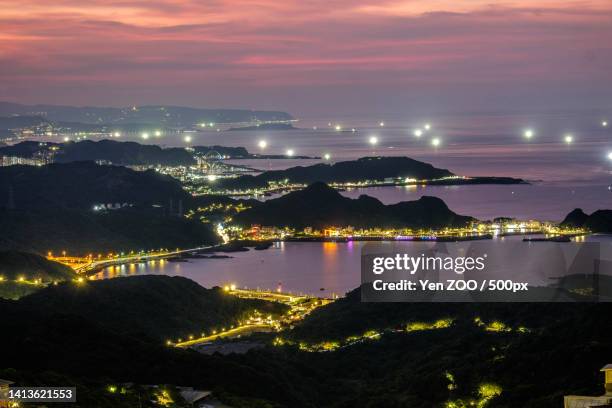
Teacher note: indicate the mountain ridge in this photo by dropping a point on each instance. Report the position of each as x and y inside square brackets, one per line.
[320, 206]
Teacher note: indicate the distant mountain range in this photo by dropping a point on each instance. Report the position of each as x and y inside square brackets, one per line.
[126, 153]
[321, 206]
[167, 116]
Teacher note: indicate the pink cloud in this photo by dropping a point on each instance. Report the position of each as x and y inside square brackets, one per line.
[241, 46]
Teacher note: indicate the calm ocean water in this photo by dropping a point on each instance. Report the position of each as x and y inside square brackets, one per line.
[309, 267]
[563, 177]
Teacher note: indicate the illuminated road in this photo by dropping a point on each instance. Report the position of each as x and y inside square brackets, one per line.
[232, 333]
[300, 307]
[93, 265]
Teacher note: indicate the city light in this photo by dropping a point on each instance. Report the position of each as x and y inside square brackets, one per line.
[435, 142]
[418, 133]
[604, 123]
[427, 126]
[262, 144]
[610, 156]
[528, 134]
[66, 139]
[211, 177]
[327, 156]
[290, 152]
[157, 133]
[568, 139]
[145, 135]
[117, 134]
[381, 124]
[373, 140]
[187, 139]
[338, 128]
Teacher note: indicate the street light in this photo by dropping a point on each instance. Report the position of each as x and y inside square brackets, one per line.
[427, 126]
[187, 139]
[262, 144]
[327, 156]
[145, 135]
[418, 133]
[435, 142]
[568, 139]
[604, 123]
[290, 152]
[528, 134]
[373, 140]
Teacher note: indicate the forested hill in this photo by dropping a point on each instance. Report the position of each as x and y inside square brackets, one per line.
[84, 184]
[365, 168]
[321, 206]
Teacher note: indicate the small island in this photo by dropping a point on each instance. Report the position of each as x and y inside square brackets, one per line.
[364, 172]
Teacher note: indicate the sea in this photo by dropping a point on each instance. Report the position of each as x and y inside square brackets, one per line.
[562, 176]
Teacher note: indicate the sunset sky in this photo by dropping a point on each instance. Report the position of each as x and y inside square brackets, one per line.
[309, 57]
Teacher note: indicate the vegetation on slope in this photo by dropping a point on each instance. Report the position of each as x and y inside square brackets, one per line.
[320, 206]
[149, 307]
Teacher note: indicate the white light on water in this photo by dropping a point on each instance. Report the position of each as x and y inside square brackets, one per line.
[569, 139]
[418, 133]
[290, 152]
[262, 144]
[373, 140]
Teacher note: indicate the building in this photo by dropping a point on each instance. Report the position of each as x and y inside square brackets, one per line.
[200, 398]
[605, 401]
[25, 161]
[4, 387]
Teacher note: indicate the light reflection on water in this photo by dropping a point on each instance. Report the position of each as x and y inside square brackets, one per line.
[305, 267]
